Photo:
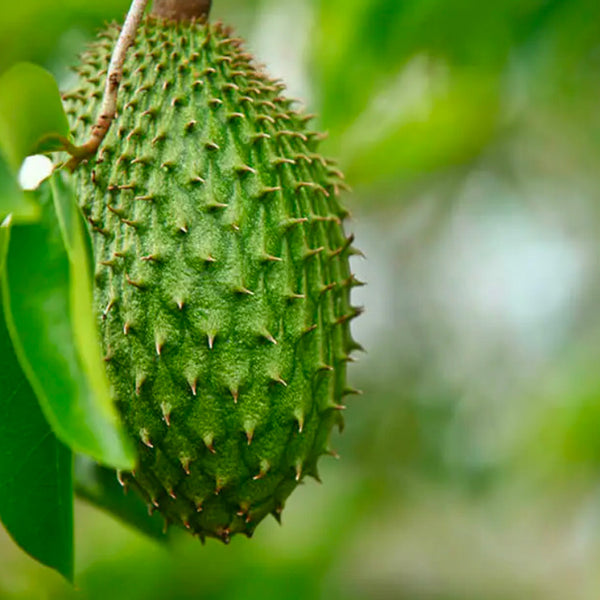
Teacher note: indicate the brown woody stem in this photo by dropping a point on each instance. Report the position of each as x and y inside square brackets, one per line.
[111, 89]
[180, 10]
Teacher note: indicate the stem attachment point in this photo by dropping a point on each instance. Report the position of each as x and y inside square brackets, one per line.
[181, 10]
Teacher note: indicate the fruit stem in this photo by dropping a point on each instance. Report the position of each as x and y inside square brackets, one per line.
[111, 89]
[180, 10]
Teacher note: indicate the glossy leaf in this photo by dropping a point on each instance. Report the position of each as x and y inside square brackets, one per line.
[12, 199]
[4, 239]
[32, 118]
[99, 486]
[74, 230]
[48, 305]
[79, 251]
[36, 504]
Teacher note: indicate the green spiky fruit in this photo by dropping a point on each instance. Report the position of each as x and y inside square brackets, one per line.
[222, 277]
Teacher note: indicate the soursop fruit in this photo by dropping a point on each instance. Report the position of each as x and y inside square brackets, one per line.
[222, 281]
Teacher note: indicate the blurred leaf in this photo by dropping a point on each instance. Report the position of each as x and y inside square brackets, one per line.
[361, 45]
[99, 486]
[448, 126]
[12, 199]
[36, 31]
[48, 310]
[32, 118]
[389, 121]
[36, 504]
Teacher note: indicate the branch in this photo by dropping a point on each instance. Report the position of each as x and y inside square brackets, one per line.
[111, 89]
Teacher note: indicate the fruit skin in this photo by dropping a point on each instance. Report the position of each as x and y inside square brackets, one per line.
[222, 281]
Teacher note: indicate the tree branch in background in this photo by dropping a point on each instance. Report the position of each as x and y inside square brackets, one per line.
[111, 89]
[180, 10]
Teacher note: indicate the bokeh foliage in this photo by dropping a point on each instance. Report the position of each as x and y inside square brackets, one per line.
[470, 467]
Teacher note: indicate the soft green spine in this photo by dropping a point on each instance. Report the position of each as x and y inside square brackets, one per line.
[222, 283]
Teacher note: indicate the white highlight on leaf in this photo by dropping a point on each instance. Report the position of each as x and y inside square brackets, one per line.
[34, 170]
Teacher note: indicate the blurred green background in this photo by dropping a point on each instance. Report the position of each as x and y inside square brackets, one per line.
[470, 467]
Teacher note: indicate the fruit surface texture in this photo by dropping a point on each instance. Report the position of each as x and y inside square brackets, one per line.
[222, 279]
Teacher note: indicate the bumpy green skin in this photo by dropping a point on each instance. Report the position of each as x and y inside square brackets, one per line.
[222, 281]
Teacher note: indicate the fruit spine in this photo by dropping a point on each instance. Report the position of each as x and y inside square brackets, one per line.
[222, 279]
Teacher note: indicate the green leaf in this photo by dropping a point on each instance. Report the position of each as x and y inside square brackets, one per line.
[79, 250]
[12, 199]
[4, 239]
[461, 120]
[36, 504]
[99, 486]
[32, 118]
[73, 226]
[49, 311]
